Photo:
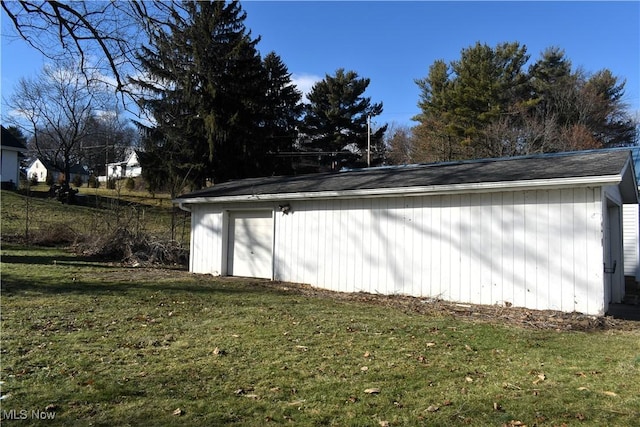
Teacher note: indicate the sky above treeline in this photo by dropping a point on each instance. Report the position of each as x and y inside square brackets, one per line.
[393, 43]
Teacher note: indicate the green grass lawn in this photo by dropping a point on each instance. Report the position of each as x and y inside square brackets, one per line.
[99, 344]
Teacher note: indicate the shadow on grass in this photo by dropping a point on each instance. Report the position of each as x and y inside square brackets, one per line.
[65, 260]
[12, 285]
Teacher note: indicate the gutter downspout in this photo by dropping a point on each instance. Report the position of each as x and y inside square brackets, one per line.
[183, 207]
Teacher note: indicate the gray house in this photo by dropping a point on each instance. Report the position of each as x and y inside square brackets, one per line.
[542, 232]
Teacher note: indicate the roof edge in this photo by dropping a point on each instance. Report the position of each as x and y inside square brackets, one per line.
[411, 191]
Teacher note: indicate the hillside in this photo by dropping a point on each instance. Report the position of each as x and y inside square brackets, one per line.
[100, 219]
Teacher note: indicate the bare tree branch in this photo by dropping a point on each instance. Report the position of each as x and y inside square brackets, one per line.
[90, 32]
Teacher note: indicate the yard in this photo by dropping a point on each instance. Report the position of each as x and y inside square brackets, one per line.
[97, 343]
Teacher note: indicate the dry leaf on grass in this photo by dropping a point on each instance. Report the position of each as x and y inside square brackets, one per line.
[540, 377]
[372, 390]
[178, 412]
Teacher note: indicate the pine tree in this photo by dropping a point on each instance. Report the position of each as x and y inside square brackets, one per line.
[208, 91]
[280, 115]
[335, 121]
[485, 105]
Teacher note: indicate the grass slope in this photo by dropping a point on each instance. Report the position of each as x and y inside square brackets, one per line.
[40, 215]
[98, 344]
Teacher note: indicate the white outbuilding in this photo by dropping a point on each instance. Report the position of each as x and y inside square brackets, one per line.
[542, 232]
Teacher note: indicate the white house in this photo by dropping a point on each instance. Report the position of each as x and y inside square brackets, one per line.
[10, 151]
[41, 169]
[38, 169]
[129, 168]
[542, 232]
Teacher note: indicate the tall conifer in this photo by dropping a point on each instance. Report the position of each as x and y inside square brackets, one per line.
[207, 89]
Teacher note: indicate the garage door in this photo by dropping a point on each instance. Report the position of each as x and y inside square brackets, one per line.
[250, 244]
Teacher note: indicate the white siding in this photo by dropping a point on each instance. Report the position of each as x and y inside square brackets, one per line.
[539, 249]
[206, 241]
[250, 244]
[10, 168]
[630, 229]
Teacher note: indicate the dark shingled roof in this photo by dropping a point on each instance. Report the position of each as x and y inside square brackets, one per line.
[8, 140]
[539, 167]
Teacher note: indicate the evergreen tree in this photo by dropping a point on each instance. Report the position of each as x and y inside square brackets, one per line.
[207, 94]
[485, 105]
[280, 115]
[602, 111]
[487, 83]
[434, 135]
[335, 121]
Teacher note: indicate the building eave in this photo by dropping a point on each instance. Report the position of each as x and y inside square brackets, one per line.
[594, 181]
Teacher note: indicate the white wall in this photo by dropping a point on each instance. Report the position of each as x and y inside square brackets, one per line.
[535, 249]
[538, 249]
[630, 229]
[38, 169]
[9, 166]
[206, 254]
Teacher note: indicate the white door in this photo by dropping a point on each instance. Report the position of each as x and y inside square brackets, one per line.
[613, 250]
[250, 252]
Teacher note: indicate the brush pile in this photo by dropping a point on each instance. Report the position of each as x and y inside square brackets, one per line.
[135, 249]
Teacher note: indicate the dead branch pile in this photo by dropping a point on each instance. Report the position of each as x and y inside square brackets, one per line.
[132, 248]
[53, 235]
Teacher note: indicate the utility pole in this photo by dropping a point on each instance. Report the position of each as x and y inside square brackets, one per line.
[369, 140]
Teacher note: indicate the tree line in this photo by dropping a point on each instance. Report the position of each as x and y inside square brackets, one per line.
[486, 104]
[214, 108]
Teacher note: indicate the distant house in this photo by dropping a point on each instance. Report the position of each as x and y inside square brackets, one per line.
[542, 232]
[128, 168]
[11, 151]
[42, 169]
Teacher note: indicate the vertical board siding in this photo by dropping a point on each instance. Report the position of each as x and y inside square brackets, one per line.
[206, 241]
[630, 226]
[539, 249]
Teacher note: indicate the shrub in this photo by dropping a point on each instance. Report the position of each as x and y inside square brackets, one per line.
[77, 181]
[130, 184]
[33, 180]
[93, 181]
[111, 183]
[49, 180]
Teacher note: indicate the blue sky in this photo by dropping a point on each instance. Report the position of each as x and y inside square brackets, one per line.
[394, 43]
